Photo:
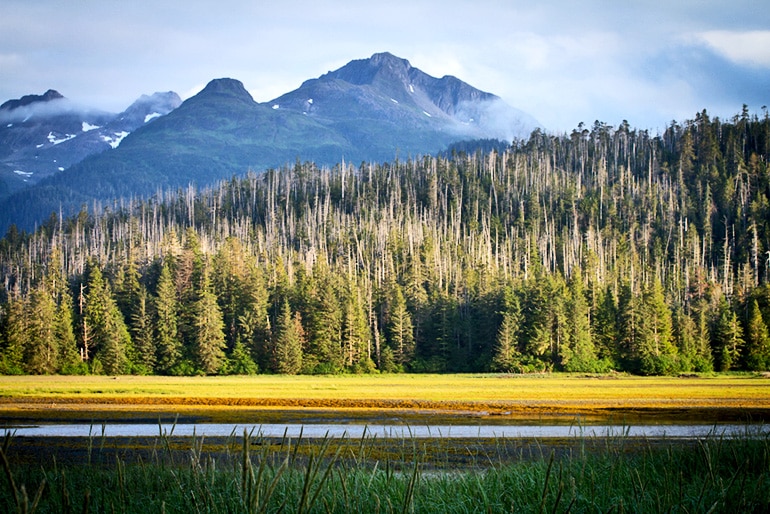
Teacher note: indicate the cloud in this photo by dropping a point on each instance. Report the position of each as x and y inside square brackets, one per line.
[747, 47]
[57, 107]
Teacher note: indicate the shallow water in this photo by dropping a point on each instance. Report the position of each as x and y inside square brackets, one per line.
[357, 431]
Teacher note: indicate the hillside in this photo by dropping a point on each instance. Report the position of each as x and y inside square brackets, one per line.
[370, 110]
[606, 249]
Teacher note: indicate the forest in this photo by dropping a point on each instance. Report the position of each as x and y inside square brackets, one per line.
[606, 249]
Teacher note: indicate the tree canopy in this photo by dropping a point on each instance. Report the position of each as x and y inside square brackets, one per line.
[604, 249]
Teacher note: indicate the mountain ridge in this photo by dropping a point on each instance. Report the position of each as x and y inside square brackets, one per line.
[368, 110]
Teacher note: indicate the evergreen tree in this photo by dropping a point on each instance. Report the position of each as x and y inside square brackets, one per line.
[579, 353]
[115, 345]
[685, 338]
[69, 357]
[324, 325]
[287, 348]
[757, 340]
[356, 339]
[656, 352]
[506, 357]
[209, 337]
[240, 361]
[399, 329]
[15, 329]
[629, 329]
[41, 355]
[188, 277]
[728, 338]
[109, 338]
[169, 346]
[539, 305]
[142, 333]
[704, 359]
[605, 329]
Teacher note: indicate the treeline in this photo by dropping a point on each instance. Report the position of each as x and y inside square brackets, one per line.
[603, 249]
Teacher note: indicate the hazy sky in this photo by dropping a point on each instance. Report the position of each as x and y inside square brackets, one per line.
[563, 61]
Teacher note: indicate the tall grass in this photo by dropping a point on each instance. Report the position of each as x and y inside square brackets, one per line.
[254, 474]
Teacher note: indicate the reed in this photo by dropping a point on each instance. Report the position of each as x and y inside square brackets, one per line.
[301, 475]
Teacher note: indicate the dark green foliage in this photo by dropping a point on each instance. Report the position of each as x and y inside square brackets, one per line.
[289, 340]
[757, 340]
[399, 328]
[169, 346]
[506, 356]
[42, 347]
[208, 337]
[604, 249]
[110, 344]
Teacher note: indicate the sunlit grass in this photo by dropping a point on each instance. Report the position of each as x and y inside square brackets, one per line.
[494, 393]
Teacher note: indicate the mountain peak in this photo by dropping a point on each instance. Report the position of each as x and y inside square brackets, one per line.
[226, 87]
[48, 96]
[388, 59]
[379, 67]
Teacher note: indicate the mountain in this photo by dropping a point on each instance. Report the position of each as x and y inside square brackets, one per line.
[385, 96]
[42, 135]
[369, 110]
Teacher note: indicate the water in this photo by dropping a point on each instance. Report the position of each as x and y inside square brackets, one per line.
[356, 431]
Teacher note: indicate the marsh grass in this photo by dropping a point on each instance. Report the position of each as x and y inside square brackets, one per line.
[412, 399]
[250, 473]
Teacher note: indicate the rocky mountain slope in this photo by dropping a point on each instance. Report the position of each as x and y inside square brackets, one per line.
[42, 135]
[369, 110]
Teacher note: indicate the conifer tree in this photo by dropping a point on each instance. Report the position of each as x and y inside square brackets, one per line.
[399, 328]
[704, 358]
[538, 309]
[579, 353]
[240, 361]
[69, 358]
[629, 329]
[42, 348]
[110, 340]
[188, 277]
[208, 336]
[605, 329]
[506, 357]
[115, 345]
[656, 352]
[757, 340]
[356, 339]
[325, 324]
[287, 348]
[169, 346]
[728, 338]
[142, 333]
[15, 323]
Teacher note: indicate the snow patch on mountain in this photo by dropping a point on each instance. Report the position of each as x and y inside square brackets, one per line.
[115, 141]
[56, 141]
[87, 126]
[152, 116]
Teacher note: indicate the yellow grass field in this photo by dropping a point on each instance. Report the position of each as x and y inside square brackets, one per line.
[716, 397]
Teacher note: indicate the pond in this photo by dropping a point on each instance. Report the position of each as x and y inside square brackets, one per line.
[357, 431]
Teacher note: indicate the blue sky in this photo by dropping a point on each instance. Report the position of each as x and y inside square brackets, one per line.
[564, 62]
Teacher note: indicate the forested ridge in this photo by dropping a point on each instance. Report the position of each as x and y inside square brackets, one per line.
[604, 249]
